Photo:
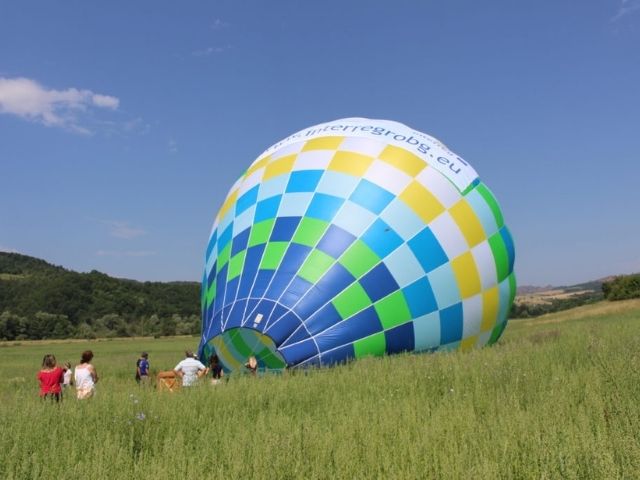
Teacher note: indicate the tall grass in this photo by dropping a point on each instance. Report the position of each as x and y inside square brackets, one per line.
[557, 399]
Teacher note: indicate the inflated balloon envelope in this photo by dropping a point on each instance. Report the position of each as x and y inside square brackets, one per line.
[352, 238]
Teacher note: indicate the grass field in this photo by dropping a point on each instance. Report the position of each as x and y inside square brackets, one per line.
[557, 397]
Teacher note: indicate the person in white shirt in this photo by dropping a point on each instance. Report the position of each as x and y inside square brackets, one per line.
[68, 372]
[85, 376]
[190, 369]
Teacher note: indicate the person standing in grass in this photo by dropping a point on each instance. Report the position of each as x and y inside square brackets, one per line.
[216, 370]
[68, 373]
[86, 376]
[142, 369]
[190, 369]
[50, 377]
[252, 365]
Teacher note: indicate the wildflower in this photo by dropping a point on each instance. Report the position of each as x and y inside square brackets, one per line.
[141, 416]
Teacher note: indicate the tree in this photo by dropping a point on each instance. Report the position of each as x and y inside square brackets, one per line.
[167, 326]
[153, 325]
[49, 325]
[84, 330]
[622, 288]
[12, 326]
[112, 325]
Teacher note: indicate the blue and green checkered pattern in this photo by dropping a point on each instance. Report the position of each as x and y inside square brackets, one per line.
[338, 248]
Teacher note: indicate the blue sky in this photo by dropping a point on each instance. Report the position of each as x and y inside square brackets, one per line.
[123, 124]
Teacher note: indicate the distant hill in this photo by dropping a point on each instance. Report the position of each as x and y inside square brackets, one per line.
[40, 300]
[527, 289]
[593, 285]
[532, 301]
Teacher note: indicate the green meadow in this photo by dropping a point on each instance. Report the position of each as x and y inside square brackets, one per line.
[556, 397]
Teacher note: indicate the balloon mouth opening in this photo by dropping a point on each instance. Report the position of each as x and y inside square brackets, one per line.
[234, 347]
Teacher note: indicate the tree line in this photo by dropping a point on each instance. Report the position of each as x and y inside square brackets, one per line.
[527, 310]
[39, 300]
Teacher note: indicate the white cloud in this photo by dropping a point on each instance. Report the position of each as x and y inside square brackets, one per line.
[125, 253]
[136, 125]
[218, 24]
[105, 101]
[210, 51]
[123, 229]
[626, 7]
[7, 249]
[28, 99]
[173, 146]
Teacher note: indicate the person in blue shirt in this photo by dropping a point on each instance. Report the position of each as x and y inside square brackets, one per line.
[142, 369]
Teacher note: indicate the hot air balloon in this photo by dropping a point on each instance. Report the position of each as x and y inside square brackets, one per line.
[353, 238]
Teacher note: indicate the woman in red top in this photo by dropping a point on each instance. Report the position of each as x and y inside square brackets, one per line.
[50, 378]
